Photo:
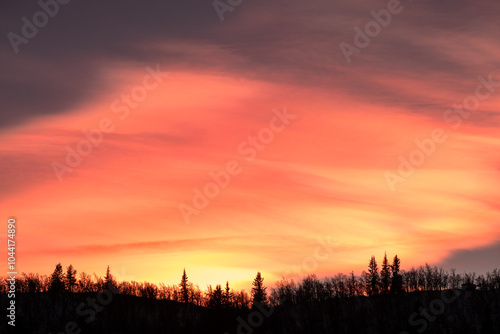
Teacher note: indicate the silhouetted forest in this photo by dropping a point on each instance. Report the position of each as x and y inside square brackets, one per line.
[380, 300]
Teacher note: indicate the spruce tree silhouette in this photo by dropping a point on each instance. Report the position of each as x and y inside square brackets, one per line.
[397, 279]
[184, 285]
[109, 280]
[259, 291]
[228, 296]
[70, 278]
[57, 280]
[385, 274]
[372, 280]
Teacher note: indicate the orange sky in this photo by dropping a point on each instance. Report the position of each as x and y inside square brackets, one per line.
[320, 179]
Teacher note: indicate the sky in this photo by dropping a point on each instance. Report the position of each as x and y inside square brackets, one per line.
[286, 137]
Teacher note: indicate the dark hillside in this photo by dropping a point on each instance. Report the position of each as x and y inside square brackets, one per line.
[470, 312]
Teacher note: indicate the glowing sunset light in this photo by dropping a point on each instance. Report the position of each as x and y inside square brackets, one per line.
[134, 146]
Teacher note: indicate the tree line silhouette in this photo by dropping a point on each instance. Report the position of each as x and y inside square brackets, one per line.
[389, 280]
[383, 299]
